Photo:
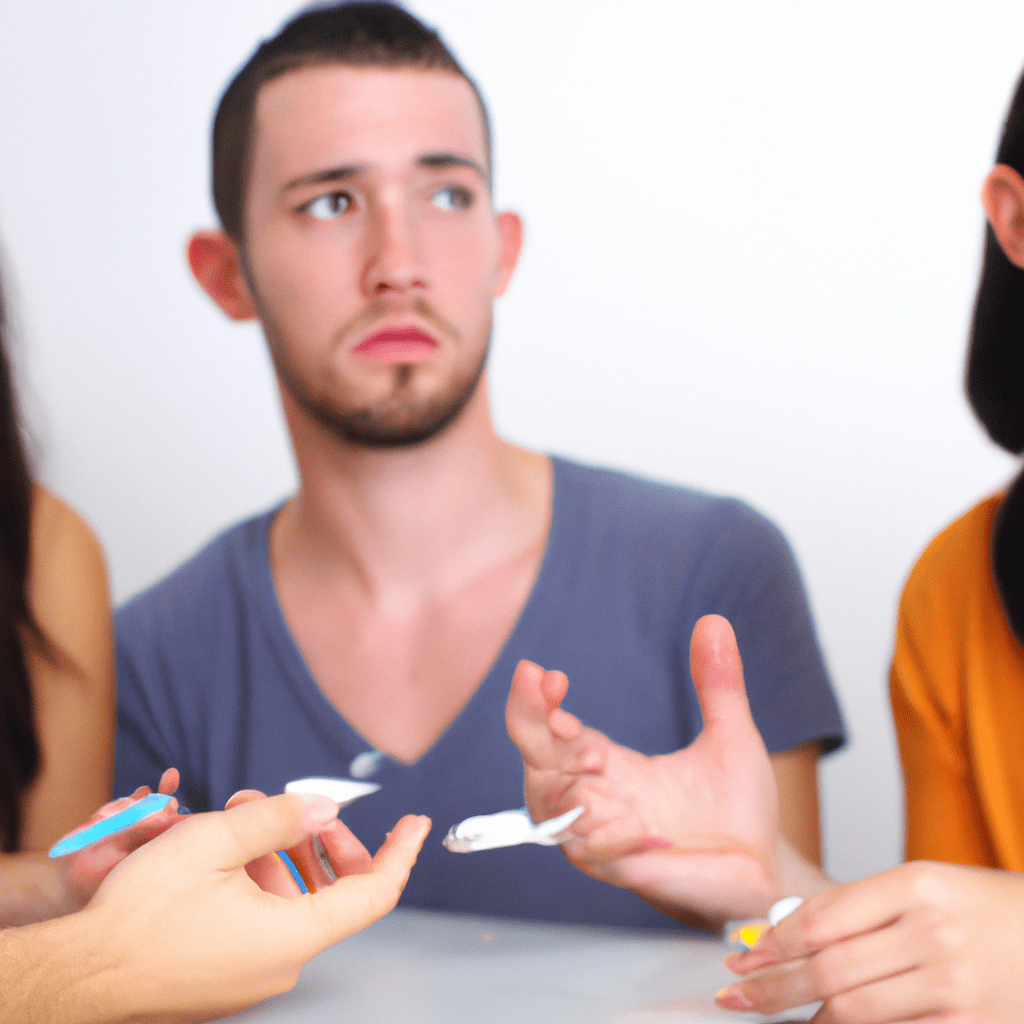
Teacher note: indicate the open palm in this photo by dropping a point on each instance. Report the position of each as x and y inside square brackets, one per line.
[693, 831]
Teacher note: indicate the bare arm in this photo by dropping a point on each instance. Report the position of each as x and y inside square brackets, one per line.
[74, 707]
[74, 699]
[206, 941]
[796, 777]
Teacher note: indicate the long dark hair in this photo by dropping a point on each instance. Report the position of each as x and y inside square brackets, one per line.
[20, 756]
[995, 378]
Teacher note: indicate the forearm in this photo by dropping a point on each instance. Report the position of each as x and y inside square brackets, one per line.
[57, 971]
[797, 876]
[31, 889]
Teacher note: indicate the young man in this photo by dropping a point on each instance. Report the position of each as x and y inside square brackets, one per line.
[371, 625]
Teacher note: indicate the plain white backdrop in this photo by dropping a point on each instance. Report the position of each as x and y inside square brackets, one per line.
[753, 240]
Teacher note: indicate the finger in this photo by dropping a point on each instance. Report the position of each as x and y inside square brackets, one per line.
[527, 707]
[253, 827]
[269, 872]
[718, 675]
[839, 968]
[356, 901]
[346, 853]
[244, 796]
[169, 781]
[547, 736]
[856, 908]
[915, 996]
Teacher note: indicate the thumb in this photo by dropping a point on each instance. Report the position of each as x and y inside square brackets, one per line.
[251, 829]
[718, 675]
[526, 705]
[355, 901]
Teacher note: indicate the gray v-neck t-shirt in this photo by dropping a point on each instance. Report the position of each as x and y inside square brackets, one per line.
[211, 681]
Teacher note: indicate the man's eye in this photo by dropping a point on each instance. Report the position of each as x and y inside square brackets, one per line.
[327, 207]
[453, 197]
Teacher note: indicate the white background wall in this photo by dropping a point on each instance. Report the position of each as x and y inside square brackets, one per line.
[753, 242]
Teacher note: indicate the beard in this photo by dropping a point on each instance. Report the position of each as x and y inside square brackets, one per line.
[400, 419]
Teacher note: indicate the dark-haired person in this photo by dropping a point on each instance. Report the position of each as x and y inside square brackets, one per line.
[372, 623]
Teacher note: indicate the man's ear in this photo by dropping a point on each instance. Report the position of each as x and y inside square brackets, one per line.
[216, 264]
[511, 227]
[1002, 195]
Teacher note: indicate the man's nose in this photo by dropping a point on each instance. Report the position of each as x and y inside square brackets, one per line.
[394, 260]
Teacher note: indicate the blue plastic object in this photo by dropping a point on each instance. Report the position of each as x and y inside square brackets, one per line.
[290, 865]
[108, 826]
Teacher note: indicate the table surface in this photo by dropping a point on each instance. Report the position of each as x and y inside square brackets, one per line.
[420, 967]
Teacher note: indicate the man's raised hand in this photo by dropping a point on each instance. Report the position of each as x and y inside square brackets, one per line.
[692, 832]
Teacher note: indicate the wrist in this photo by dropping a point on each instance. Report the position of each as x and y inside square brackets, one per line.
[795, 875]
[32, 889]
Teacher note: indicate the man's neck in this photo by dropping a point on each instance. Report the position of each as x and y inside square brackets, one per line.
[415, 521]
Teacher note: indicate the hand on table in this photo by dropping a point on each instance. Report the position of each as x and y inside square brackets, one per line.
[924, 942]
[81, 873]
[184, 927]
[693, 831]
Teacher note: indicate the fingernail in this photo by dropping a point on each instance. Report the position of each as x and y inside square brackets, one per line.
[732, 998]
[320, 810]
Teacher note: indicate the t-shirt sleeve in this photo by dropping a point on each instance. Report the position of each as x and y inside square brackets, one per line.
[753, 578]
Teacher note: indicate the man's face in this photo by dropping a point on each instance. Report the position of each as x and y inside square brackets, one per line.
[372, 253]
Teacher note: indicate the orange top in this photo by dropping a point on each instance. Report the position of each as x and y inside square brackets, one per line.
[957, 690]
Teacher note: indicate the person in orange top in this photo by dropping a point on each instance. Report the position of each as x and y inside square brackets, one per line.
[957, 682]
[932, 941]
[957, 689]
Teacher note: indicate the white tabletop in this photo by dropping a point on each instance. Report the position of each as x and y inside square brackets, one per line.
[419, 967]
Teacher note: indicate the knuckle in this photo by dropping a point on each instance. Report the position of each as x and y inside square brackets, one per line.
[823, 972]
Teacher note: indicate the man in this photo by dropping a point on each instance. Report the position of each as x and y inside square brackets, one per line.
[372, 624]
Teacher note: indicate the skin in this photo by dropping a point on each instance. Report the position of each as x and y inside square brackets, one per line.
[187, 895]
[925, 942]
[36, 887]
[74, 708]
[68, 595]
[404, 568]
[694, 832]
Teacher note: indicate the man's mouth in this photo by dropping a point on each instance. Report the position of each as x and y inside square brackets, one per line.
[397, 345]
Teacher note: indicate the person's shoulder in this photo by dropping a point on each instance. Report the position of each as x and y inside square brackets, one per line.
[957, 560]
[221, 570]
[67, 575]
[641, 502]
[62, 543]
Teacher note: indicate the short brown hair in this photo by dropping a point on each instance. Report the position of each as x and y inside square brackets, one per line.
[378, 34]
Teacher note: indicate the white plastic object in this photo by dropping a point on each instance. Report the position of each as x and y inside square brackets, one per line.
[341, 791]
[508, 828]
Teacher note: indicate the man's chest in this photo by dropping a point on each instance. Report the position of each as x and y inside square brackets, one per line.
[400, 675]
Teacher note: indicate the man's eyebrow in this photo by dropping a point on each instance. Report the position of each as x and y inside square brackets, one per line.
[438, 161]
[326, 176]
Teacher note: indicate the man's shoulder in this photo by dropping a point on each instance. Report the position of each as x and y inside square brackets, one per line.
[220, 574]
[612, 499]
